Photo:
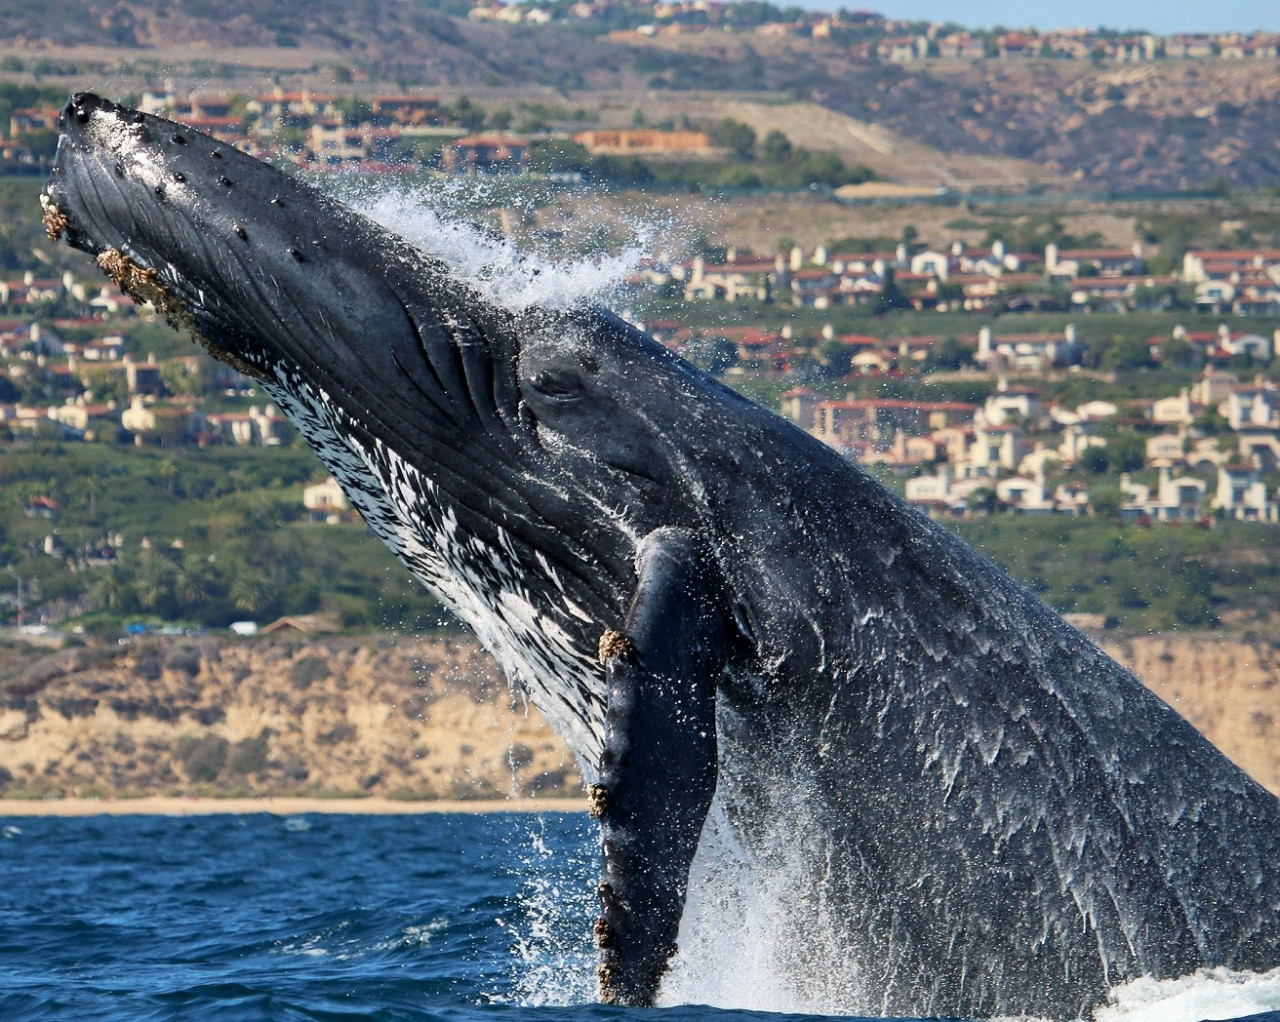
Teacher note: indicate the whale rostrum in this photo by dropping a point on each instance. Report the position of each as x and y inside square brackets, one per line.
[991, 817]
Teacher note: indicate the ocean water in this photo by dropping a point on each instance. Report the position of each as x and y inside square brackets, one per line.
[435, 917]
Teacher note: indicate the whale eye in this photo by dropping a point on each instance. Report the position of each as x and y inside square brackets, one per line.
[558, 384]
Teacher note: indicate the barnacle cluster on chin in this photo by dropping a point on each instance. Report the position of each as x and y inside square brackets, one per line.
[144, 285]
[55, 221]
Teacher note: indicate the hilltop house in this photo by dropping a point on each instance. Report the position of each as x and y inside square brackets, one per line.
[325, 501]
[1177, 498]
[1030, 352]
[1067, 264]
[731, 281]
[941, 493]
[1241, 494]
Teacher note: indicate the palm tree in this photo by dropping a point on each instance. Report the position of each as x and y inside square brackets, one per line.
[252, 592]
[109, 591]
[153, 585]
[191, 582]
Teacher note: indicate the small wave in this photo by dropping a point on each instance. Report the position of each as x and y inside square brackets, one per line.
[1205, 995]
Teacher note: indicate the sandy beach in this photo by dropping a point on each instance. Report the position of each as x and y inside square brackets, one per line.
[178, 806]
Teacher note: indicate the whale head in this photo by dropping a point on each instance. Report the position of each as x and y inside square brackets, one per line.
[512, 458]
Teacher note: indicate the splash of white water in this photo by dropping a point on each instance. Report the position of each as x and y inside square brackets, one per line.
[515, 277]
[1208, 994]
[554, 962]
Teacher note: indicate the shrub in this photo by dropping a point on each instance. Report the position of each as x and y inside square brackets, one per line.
[248, 757]
[202, 757]
[308, 670]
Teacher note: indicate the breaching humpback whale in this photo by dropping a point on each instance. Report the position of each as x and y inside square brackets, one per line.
[992, 816]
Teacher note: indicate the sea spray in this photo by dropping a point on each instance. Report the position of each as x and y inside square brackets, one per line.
[556, 868]
[758, 935]
[440, 218]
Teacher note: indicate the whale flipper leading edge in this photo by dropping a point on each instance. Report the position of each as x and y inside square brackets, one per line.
[988, 815]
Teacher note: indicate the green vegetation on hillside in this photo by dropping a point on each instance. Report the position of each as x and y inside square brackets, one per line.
[773, 163]
[205, 537]
[1155, 578]
[217, 535]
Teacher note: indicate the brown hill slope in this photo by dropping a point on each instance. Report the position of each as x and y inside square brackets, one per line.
[1161, 125]
[408, 718]
[415, 718]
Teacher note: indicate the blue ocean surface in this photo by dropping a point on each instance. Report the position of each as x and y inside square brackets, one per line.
[441, 916]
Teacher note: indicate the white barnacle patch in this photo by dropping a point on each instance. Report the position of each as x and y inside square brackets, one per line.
[126, 144]
[487, 586]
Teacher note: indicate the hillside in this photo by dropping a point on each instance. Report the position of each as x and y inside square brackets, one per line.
[404, 718]
[1012, 124]
[413, 718]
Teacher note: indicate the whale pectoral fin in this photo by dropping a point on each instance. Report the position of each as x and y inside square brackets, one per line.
[658, 769]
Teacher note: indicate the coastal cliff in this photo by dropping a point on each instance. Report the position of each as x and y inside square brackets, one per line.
[417, 718]
[404, 718]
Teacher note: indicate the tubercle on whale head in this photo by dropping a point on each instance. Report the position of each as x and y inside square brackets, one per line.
[162, 208]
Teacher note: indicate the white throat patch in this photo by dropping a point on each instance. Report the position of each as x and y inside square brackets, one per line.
[484, 586]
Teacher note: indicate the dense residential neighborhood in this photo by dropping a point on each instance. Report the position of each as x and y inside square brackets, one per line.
[1210, 451]
[875, 37]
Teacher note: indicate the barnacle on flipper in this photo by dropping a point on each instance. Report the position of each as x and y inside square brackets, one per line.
[613, 645]
[598, 801]
[55, 221]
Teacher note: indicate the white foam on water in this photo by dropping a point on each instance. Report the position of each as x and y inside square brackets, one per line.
[727, 934]
[1207, 994]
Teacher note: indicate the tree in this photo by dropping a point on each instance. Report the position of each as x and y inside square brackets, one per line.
[1126, 451]
[950, 353]
[982, 499]
[1126, 352]
[252, 592]
[738, 138]
[836, 359]
[891, 296]
[776, 147]
[1094, 460]
[1177, 353]
[558, 156]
